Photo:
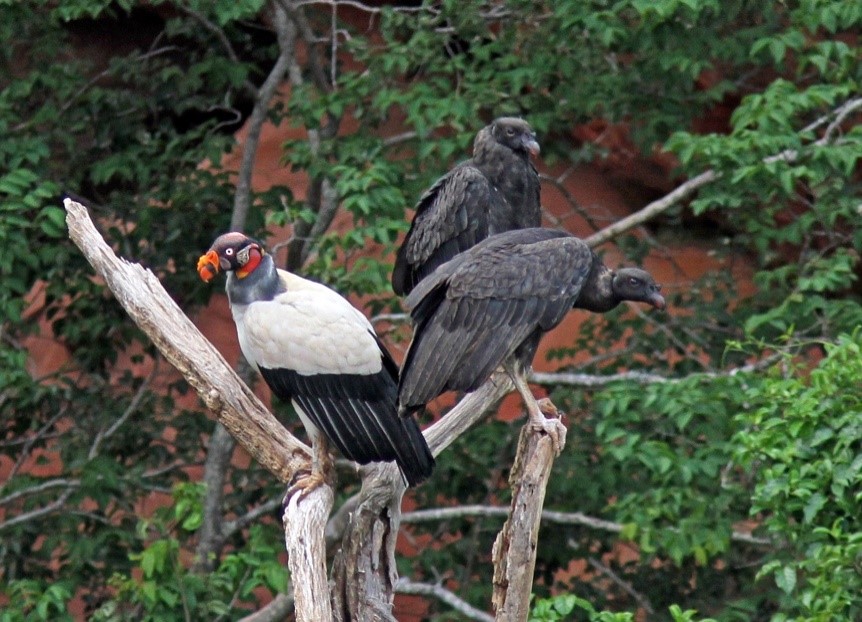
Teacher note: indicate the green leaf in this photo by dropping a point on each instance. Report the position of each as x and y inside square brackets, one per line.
[785, 579]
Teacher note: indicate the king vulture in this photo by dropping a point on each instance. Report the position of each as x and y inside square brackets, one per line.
[314, 349]
[492, 304]
[496, 190]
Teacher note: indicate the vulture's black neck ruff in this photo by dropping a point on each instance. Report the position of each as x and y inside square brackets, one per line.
[597, 294]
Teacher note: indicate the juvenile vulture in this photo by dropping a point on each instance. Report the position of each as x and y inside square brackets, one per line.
[314, 349]
[496, 190]
[492, 304]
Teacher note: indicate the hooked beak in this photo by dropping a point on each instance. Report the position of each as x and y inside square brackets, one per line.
[208, 265]
[656, 299]
[531, 145]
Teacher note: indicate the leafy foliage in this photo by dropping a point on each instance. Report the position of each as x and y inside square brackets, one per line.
[800, 440]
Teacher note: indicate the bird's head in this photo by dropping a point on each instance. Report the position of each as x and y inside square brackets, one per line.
[637, 285]
[231, 251]
[516, 134]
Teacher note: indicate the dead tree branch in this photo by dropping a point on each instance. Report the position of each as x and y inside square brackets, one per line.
[304, 523]
[514, 551]
[405, 586]
[141, 294]
[655, 208]
[364, 572]
[578, 519]
[574, 379]
[835, 118]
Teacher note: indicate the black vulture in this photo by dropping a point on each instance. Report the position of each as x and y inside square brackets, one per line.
[496, 190]
[491, 305]
[316, 350]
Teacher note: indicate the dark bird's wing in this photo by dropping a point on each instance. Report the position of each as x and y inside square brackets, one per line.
[358, 414]
[476, 310]
[316, 350]
[451, 217]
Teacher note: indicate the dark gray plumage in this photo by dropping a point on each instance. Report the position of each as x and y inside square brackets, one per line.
[492, 304]
[496, 190]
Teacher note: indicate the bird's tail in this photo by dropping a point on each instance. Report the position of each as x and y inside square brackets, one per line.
[413, 455]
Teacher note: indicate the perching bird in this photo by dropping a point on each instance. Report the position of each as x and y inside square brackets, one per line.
[314, 349]
[492, 304]
[496, 190]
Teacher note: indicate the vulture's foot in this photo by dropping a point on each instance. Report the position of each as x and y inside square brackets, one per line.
[322, 472]
[546, 418]
[304, 483]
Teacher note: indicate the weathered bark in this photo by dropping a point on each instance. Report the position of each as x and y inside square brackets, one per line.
[514, 550]
[364, 573]
[304, 524]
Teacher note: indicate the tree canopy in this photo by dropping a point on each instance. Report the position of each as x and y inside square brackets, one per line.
[714, 460]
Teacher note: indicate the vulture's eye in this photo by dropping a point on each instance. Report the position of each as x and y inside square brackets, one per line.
[510, 131]
[634, 282]
[228, 252]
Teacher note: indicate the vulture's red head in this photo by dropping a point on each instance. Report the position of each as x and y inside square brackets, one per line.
[231, 251]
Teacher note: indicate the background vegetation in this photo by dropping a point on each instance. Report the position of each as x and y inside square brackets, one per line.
[746, 413]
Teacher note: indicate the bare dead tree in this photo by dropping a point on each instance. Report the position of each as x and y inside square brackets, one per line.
[364, 573]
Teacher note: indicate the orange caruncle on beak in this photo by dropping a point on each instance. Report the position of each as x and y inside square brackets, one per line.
[208, 266]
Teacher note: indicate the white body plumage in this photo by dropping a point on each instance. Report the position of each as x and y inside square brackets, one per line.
[307, 328]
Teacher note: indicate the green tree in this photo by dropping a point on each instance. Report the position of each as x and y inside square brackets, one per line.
[734, 413]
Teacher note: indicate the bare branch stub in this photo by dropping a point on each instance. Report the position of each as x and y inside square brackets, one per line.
[514, 551]
[304, 524]
[364, 572]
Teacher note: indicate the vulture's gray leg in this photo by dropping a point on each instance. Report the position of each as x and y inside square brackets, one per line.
[322, 469]
[536, 411]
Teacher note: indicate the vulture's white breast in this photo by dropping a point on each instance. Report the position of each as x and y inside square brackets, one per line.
[309, 329]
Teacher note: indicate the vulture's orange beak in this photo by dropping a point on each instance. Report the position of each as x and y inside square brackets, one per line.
[208, 265]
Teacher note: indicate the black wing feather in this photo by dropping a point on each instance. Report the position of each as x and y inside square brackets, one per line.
[484, 305]
[451, 217]
[357, 413]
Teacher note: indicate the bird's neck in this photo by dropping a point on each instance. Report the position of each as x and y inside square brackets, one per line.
[597, 294]
[261, 283]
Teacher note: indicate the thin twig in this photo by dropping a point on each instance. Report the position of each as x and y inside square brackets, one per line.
[130, 410]
[41, 487]
[551, 516]
[406, 586]
[231, 527]
[219, 34]
[559, 184]
[594, 380]
[642, 600]
[686, 189]
[394, 318]
[52, 507]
